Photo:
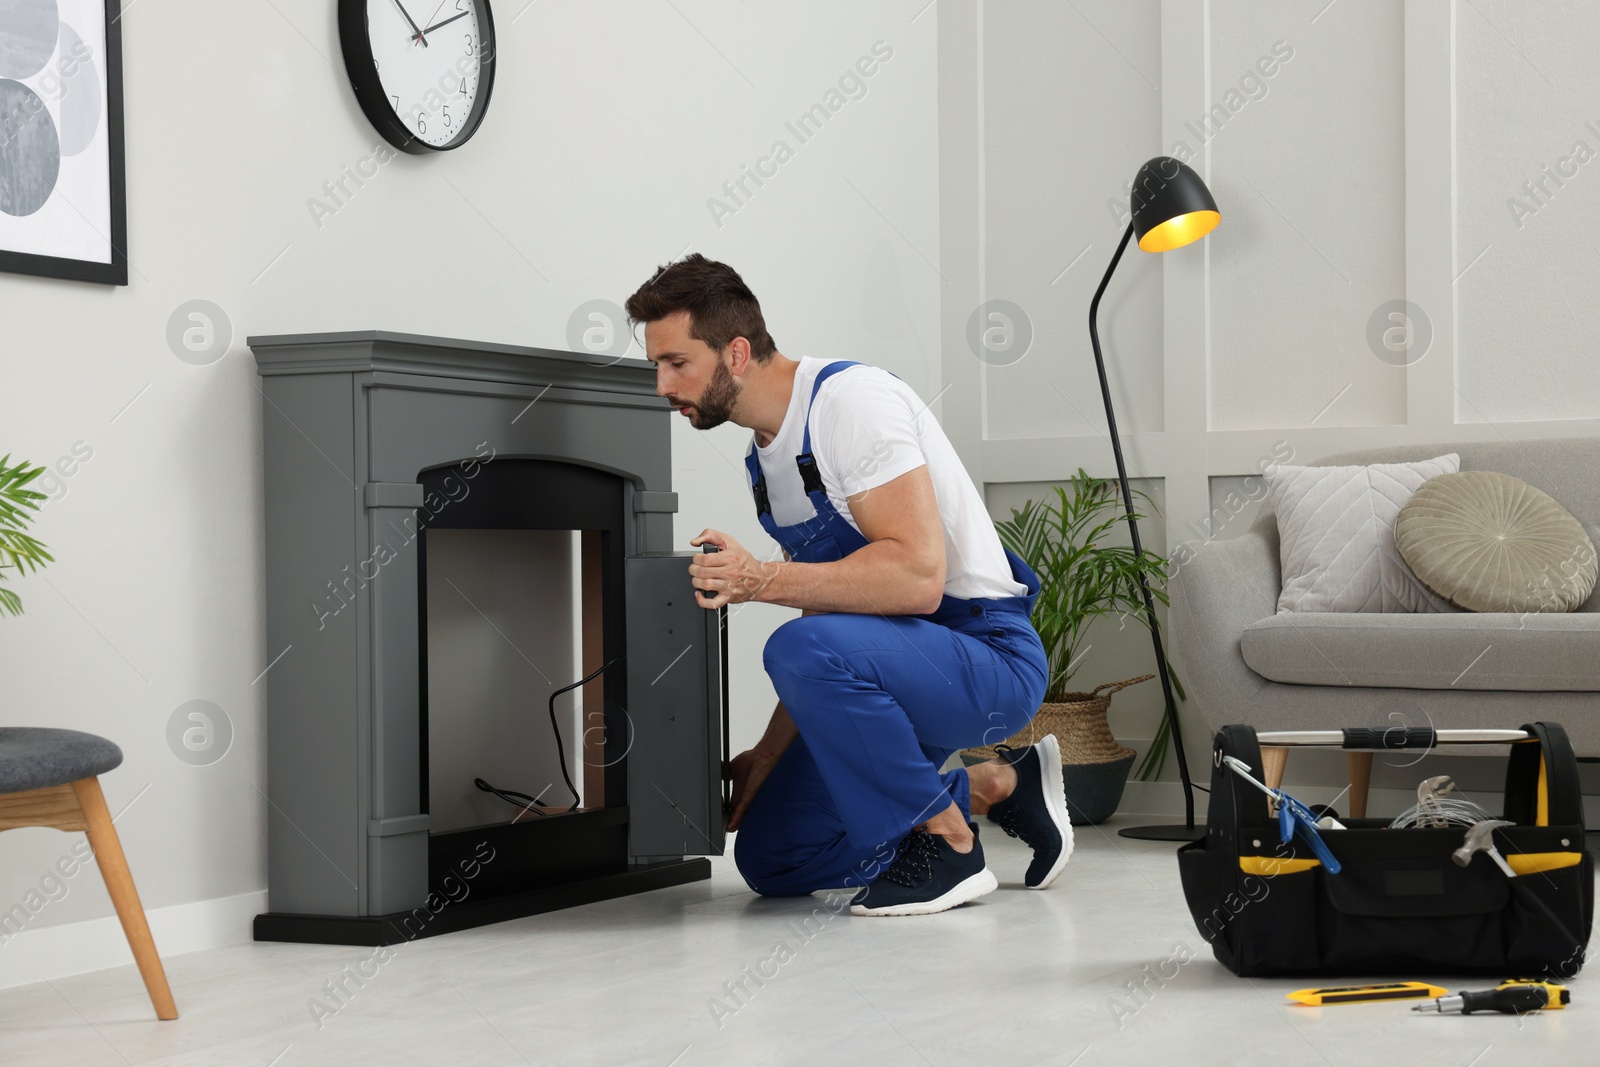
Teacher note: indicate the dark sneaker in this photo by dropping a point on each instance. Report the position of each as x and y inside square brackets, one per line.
[927, 875]
[1037, 811]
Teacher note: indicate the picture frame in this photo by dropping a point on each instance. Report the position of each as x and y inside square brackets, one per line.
[63, 210]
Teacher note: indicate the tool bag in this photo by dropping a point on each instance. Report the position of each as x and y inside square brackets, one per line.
[1399, 904]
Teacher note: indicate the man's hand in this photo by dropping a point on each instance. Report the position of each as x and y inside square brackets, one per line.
[733, 574]
[750, 769]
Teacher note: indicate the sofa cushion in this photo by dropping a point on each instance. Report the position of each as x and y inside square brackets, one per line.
[1336, 536]
[1564, 467]
[1498, 651]
[1490, 542]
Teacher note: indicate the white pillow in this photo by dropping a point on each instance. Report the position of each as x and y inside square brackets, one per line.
[1336, 536]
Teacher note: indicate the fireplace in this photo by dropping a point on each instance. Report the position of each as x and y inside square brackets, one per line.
[525, 494]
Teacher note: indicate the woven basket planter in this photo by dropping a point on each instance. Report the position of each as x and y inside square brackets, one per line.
[1093, 764]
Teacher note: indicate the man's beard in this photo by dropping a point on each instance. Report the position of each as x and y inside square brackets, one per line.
[716, 403]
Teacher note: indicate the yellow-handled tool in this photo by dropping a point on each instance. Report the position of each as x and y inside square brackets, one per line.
[1357, 994]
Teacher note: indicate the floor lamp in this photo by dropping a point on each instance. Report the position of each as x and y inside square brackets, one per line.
[1170, 207]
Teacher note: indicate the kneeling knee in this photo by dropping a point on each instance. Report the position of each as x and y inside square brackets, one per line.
[798, 644]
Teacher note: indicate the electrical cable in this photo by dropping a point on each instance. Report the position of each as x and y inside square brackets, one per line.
[511, 796]
[1439, 813]
[561, 752]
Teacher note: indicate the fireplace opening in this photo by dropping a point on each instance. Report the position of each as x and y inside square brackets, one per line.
[504, 635]
[519, 594]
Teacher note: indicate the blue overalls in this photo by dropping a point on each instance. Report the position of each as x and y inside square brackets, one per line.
[881, 702]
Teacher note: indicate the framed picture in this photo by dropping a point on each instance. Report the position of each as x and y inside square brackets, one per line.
[63, 210]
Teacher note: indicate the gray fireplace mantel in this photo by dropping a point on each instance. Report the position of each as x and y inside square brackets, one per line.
[382, 351]
[352, 424]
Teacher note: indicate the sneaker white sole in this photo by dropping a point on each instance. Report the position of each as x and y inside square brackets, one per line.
[1055, 801]
[970, 888]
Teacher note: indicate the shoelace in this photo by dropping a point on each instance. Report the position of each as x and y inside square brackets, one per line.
[1010, 819]
[1009, 822]
[913, 864]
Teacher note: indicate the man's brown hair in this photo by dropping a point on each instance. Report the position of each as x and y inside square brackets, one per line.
[720, 306]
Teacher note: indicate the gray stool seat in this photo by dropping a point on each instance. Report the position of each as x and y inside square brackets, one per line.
[37, 757]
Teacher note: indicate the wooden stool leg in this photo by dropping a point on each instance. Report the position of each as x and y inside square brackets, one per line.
[1273, 761]
[1360, 764]
[119, 883]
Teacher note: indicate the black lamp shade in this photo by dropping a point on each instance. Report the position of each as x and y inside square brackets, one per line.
[1171, 206]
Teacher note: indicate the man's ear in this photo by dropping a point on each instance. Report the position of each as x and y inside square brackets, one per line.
[738, 356]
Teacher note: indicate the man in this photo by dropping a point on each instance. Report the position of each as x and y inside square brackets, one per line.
[914, 639]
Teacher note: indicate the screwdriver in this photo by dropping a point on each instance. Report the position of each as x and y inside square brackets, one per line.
[1515, 997]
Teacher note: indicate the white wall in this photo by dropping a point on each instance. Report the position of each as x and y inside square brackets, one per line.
[1527, 134]
[611, 127]
[1071, 108]
[1308, 166]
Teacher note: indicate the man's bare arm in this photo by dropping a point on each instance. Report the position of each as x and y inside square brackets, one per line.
[781, 731]
[900, 571]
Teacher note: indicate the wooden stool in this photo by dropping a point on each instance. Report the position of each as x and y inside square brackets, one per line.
[50, 778]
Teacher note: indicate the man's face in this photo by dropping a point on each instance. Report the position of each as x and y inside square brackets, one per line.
[689, 373]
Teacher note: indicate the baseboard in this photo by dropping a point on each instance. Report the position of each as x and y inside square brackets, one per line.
[35, 955]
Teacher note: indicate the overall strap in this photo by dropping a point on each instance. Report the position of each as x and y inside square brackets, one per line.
[809, 475]
[758, 482]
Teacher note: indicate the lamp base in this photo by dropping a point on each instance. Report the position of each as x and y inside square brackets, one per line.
[1172, 832]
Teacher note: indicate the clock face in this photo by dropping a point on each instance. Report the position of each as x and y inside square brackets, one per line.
[422, 69]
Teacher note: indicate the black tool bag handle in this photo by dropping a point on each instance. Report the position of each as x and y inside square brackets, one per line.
[1542, 787]
[1235, 803]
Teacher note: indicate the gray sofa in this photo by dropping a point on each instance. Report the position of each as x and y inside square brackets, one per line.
[1242, 662]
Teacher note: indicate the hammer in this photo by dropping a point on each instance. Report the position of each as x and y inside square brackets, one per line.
[1480, 838]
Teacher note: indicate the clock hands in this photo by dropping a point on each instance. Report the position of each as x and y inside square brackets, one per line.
[413, 23]
[419, 34]
[447, 21]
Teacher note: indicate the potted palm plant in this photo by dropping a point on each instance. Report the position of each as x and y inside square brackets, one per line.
[18, 551]
[1082, 578]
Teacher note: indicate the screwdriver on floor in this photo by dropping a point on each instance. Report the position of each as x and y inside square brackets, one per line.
[1515, 997]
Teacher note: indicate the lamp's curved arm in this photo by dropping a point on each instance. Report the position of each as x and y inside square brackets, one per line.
[1094, 305]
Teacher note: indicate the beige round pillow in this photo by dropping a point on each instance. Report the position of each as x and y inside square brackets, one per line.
[1491, 542]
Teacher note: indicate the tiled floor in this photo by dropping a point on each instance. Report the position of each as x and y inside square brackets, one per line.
[1019, 977]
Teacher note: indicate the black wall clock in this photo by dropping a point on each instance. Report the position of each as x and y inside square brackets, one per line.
[422, 70]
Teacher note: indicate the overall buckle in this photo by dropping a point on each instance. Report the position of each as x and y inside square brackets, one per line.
[810, 477]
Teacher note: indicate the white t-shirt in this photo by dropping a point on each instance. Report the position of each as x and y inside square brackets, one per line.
[869, 427]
